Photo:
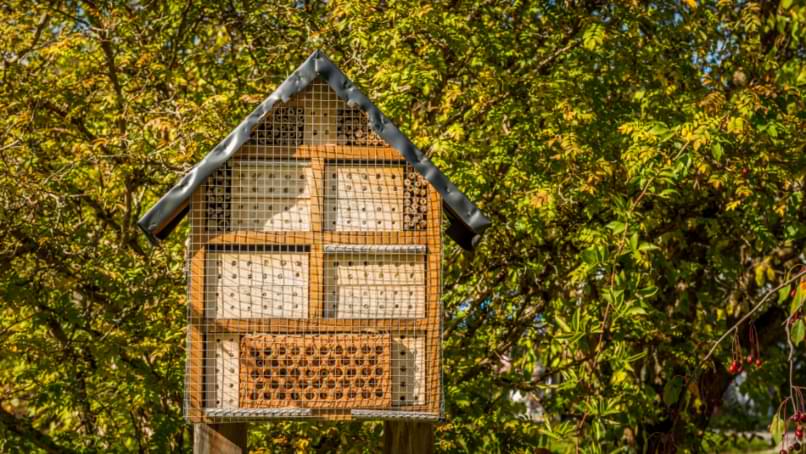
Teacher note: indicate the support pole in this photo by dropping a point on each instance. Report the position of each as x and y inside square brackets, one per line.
[406, 437]
[219, 438]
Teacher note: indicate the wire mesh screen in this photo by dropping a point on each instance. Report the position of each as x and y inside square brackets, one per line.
[314, 275]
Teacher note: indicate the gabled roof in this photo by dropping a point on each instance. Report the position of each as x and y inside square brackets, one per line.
[466, 221]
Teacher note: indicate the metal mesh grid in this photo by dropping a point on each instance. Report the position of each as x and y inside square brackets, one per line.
[314, 275]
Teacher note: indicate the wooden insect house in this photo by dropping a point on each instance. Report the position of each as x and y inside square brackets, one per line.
[314, 261]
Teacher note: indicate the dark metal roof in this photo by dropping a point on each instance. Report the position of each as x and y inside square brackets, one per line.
[467, 222]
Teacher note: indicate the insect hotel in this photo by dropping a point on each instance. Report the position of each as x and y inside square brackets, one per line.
[314, 261]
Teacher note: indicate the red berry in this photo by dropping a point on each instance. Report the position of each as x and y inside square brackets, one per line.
[759, 362]
[749, 359]
[799, 433]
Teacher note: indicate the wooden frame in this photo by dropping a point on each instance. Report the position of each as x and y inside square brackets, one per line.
[425, 330]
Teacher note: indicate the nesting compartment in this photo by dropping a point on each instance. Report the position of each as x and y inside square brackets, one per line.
[374, 282]
[363, 197]
[271, 195]
[252, 285]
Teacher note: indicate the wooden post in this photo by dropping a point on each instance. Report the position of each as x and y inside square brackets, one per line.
[219, 438]
[408, 437]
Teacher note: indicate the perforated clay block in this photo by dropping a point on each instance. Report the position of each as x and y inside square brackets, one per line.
[326, 371]
[374, 286]
[257, 285]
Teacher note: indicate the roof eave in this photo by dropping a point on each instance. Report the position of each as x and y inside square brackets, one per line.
[467, 221]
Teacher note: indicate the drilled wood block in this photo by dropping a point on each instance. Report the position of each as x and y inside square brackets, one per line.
[360, 198]
[246, 285]
[320, 103]
[271, 195]
[408, 370]
[326, 371]
[222, 371]
[389, 302]
[374, 285]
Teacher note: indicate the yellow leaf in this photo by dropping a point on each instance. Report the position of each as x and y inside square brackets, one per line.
[733, 205]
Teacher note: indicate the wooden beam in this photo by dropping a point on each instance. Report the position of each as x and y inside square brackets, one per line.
[316, 294]
[219, 438]
[250, 238]
[433, 336]
[408, 437]
[286, 325]
[333, 152]
[376, 238]
[245, 237]
[195, 370]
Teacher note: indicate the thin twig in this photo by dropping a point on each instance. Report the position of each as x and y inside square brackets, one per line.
[749, 313]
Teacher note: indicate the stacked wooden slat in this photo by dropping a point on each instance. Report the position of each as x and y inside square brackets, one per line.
[415, 201]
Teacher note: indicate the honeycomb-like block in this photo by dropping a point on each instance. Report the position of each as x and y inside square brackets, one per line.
[374, 285]
[244, 284]
[363, 198]
[271, 195]
[326, 371]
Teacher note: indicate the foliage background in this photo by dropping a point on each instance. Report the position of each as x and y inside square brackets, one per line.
[643, 164]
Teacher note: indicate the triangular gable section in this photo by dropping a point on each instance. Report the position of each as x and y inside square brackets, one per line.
[363, 125]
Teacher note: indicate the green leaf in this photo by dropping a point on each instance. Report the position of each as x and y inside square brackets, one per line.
[717, 152]
[589, 256]
[797, 332]
[647, 247]
[783, 293]
[671, 390]
[797, 301]
[617, 226]
[777, 428]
